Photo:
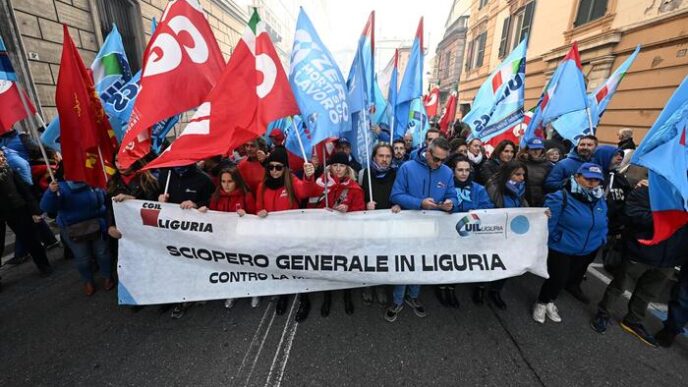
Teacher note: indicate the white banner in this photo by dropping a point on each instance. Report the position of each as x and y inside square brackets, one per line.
[168, 254]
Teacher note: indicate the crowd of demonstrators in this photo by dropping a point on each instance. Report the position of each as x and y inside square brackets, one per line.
[592, 208]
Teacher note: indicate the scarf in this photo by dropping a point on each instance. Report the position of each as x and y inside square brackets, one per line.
[273, 183]
[463, 190]
[516, 188]
[475, 159]
[378, 171]
[586, 194]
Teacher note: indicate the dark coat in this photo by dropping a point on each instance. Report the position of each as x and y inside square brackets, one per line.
[489, 169]
[669, 253]
[382, 188]
[192, 185]
[15, 195]
[536, 173]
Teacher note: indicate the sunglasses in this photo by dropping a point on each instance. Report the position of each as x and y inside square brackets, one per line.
[437, 159]
[275, 167]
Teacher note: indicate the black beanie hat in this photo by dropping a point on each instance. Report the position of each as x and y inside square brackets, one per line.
[279, 155]
[339, 158]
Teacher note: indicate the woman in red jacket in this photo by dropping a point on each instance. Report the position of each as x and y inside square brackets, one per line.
[232, 195]
[281, 191]
[343, 195]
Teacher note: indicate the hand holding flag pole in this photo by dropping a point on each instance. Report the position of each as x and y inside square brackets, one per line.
[298, 137]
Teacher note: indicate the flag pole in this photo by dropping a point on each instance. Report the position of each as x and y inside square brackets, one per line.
[298, 137]
[366, 128]
[327, 200]
[33, 131]
[587, 109]
[102, 164]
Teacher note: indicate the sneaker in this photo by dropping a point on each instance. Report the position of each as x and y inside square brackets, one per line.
[599, 323]
[539, 312]
[416, 305]
[392, 312]
[229, 303]
[638, 330]
[552, 312]
[255, 301]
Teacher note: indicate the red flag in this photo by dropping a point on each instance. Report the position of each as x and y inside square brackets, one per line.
[11, 107]
[85, 131]
[432, 102]
[253, 91]
[449, 113]
[182, 63]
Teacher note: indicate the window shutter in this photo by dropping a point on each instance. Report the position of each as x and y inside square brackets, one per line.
[504, 40]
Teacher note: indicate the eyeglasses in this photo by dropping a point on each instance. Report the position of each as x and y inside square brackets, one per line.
[275, 167]
[437, 159]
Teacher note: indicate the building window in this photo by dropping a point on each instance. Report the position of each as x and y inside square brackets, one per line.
[447, 61]
[127, 16]
[482, 3]
[476, 52]
[589, 10]
[515, 28]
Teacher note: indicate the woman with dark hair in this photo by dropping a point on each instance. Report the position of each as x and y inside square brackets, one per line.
[538, 167]
[232, 195]
[503, 153]
[476, 155]
[281, 191]
[507, 189]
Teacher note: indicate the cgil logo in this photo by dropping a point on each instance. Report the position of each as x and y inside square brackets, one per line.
[150, 216]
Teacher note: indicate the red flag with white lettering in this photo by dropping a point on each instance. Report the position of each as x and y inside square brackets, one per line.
[432, 102]
[253, 91]
[11, 107]
[182, 63]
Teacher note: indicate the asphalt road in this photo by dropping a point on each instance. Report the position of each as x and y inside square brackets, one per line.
[51, 334]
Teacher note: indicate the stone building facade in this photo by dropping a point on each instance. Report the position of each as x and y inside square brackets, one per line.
[32, 31]
[607, 32]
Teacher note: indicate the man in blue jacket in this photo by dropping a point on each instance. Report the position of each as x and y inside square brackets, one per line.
[565, 168]
[424, 182]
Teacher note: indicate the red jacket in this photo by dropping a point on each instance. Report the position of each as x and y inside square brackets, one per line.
[231, 202]
[252, 172]
[345, 191]
[278, 200]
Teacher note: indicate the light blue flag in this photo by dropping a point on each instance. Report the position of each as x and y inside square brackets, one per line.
[418, 123]
[360, 136]
[110, 67]
[411, 87]
[6, 70]
[390, 110]
[318, 84]
[498, 105]
[574, 124]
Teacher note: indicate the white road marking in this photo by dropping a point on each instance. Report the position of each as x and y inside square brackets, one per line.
[284, 348]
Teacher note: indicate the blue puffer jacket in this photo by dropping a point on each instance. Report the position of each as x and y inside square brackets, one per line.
[75, 203]
[578, 227]
[474, 198]
[563, 170]
[416, 181]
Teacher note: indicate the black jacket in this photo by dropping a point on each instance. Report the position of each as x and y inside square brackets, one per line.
[488, 169]
[193, 185]
[382, 189]
[15, 195]
[536, 172]
[627, 144]
[671, 252]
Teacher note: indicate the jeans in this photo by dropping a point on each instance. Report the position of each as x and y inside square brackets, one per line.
[400, 291]
[678, 305]
[84, 251]
[649, 282]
